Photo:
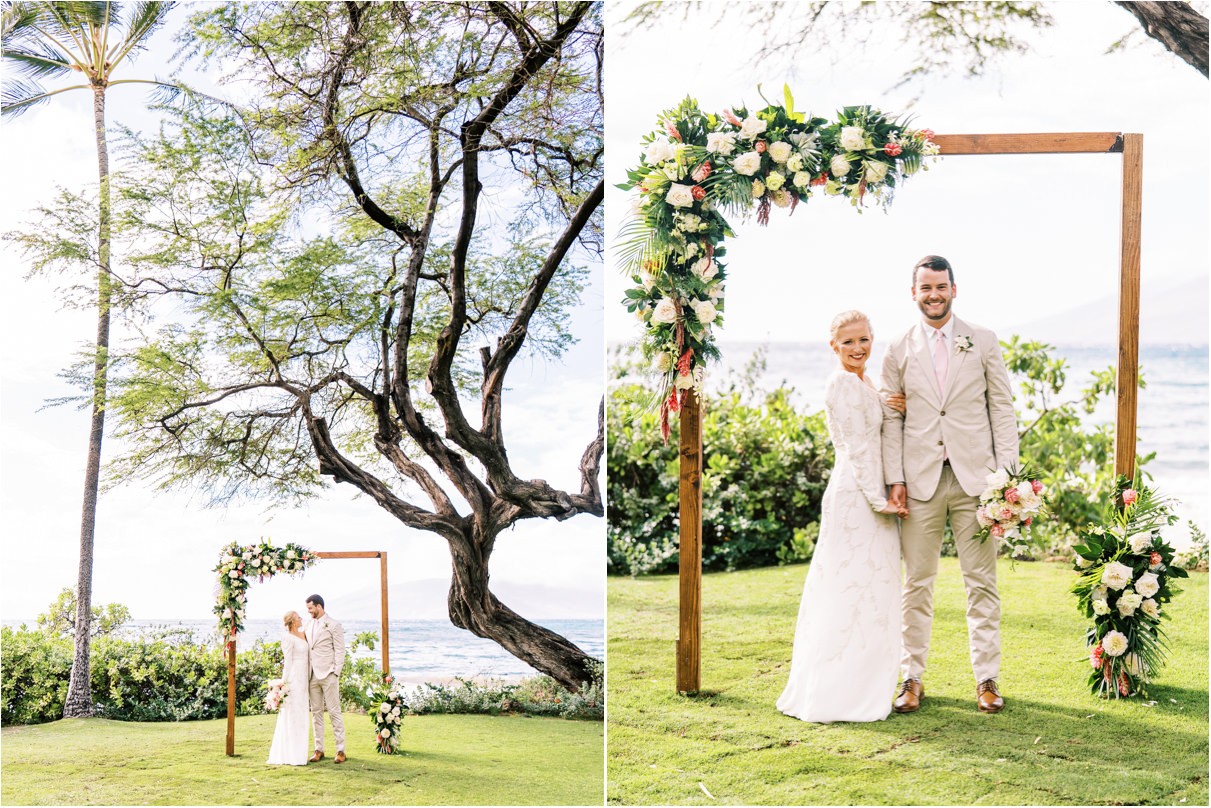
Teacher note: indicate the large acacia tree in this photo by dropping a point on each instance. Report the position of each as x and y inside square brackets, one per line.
[407, 180]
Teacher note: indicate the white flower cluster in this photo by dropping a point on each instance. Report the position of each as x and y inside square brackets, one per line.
[238, 565]
[1008, 505]
[388, 717]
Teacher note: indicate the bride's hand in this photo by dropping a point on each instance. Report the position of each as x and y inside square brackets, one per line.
[892, 509]
[897, 402]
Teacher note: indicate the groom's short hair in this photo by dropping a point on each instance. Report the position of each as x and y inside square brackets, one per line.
[935, 262]
[317, 600]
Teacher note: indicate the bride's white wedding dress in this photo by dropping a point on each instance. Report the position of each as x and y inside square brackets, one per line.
[846, 657]
[294, 715]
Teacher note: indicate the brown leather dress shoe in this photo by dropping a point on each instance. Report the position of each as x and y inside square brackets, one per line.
[340, 757]
[317, 757]
[908, 697]
[988, 700]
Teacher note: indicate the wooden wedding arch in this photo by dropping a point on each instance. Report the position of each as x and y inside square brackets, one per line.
[1131, 147]
[231, 689]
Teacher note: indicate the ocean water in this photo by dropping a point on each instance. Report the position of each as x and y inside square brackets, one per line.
[1171, 417]
[420, 649]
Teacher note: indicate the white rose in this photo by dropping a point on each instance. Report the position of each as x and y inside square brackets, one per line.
[747, 163]
[1128, 602]
[681, 196]
[998, 479]
[1083, 562]
[665, 311]
[659, 150]
[1140, 542]
[758, 189]
[875, 171]
[705, 310]
[1114, 643]
[1151, 608]
[721, 142]
[984, 518]
[256, 562]
[795, 163]
[774, 181]
[386, 733]
[385, 708]
[1116, 575]
[1148, 584]
[705, 268]
[780, 151]
[684, 381]
[1101, 607]
[852, 138]
[802, 179]
[752, 127]
[233, 574]
[663, 362]
[291, 554]
[1100, 593]
[839, 166]
[691, 249]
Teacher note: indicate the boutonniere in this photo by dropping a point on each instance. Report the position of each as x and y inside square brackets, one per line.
[962, 344]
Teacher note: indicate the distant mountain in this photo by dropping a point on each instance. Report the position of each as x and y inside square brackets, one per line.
[1174, 314]
[426, 599]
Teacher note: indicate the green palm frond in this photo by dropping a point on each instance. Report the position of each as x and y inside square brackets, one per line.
[145, 18]
[48, 63]
[636, 244]
[21, 96]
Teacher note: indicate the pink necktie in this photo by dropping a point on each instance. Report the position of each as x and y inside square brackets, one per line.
[940, 361]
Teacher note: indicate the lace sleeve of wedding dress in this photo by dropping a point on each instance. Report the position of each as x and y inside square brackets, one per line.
[845, 404]
[287, 655]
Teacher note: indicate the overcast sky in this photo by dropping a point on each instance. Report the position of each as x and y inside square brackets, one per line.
[155, 553]
[1030, 236]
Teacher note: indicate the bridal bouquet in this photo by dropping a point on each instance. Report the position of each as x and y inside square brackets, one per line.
[275, 695]
[1009, 505]
[388, 716]
[1126, 571]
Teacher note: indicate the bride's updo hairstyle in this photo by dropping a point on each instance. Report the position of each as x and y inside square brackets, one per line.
[845, 318]
[289, 618]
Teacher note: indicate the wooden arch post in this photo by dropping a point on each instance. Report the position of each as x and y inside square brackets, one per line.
[231, 688]
[1131, 146]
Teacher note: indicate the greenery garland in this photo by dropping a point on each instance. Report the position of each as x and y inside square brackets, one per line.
[1126, 570]
[239, 565]
[697, 163]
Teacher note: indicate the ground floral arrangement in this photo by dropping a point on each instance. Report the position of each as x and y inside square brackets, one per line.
[239, 565]
[697, 163]
[1126, 570]
[388, 707]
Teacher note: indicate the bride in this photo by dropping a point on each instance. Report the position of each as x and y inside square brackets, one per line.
[290, 736]
[847, 640]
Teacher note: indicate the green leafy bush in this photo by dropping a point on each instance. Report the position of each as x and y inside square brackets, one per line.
[538, 695]
[164, 677]
[766, 467]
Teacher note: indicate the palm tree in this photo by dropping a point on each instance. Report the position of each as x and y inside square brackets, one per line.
[55, 40]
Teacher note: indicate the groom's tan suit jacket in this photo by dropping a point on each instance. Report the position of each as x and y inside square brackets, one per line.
[327, 638]
[972, 423]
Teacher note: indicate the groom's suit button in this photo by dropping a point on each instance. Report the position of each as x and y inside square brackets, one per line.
[943, 412]
[939, 443]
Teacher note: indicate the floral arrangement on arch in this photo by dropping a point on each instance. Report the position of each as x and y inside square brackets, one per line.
[239, 565]
[1126, 570]
[698, 163]
[388, 715]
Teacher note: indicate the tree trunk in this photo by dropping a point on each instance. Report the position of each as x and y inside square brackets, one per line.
[474, 608]
[1177, 26]
[79, 703]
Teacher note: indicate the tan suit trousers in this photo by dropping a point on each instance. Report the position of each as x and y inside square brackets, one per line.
[921, 544]
[326, 692]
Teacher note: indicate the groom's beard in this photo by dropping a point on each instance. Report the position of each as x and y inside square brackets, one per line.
[942, 315]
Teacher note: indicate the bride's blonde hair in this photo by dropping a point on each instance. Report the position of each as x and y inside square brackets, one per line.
[845, 318]
[289, 618]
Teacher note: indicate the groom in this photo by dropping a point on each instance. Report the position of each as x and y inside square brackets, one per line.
[958, 428]
[327, 640]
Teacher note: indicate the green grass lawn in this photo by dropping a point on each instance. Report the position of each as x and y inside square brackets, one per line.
[1054, 744]
[448, 760]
